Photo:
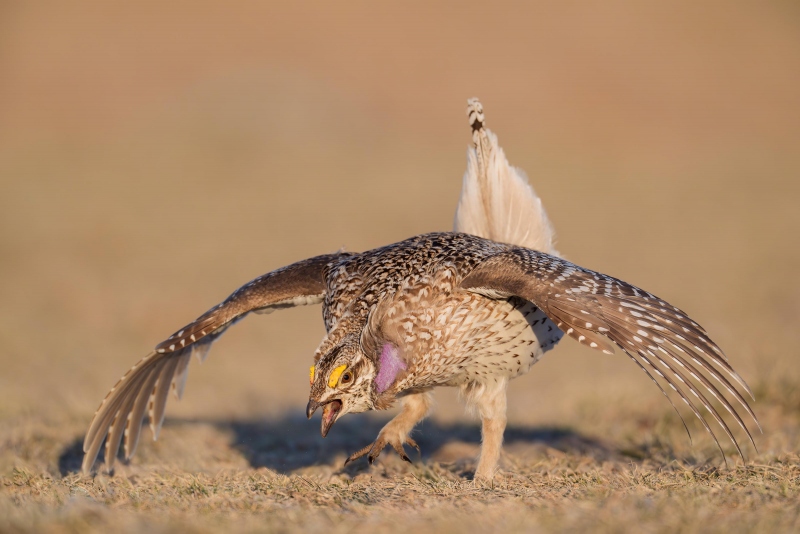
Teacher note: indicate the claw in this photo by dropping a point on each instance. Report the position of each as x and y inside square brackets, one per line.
[358, 454]
[401, 451]
[374, 450]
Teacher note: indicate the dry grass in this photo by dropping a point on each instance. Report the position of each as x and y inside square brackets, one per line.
[555, 493]
[209, 476]
[148, 169]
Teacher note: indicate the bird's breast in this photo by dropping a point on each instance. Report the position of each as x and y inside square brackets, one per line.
[451, 337]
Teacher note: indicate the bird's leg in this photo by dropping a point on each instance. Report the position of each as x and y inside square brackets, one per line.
[491, 405]
[396, 431]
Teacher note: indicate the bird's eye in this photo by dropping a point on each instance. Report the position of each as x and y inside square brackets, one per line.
[347, 377]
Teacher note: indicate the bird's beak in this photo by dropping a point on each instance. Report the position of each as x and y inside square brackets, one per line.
[330, 413]
[311, 408]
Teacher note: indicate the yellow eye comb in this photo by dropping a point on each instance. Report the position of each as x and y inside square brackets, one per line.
[334, 378]
[311, 375]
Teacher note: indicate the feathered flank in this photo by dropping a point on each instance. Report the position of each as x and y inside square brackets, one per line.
[588, 305]
[147, 384]
[497, 202]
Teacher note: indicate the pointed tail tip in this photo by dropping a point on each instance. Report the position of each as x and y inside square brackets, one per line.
[475, 114]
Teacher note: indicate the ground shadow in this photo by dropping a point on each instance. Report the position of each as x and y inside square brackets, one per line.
[291, 442]
[70, 459]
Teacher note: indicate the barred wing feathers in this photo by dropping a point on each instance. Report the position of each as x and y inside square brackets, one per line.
[600, 311]
[146, 385]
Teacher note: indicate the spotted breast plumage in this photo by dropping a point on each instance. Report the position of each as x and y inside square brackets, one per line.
[443, 309]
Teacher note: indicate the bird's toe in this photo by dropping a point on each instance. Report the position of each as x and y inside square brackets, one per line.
[374, 449]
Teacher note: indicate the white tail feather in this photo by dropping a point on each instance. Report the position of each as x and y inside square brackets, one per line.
[497, 202]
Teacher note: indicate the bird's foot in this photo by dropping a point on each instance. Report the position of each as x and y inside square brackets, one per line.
[373, 450]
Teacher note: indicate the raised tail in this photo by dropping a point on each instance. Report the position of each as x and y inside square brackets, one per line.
[497, 202]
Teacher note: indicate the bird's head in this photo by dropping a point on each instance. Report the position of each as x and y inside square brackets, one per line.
[348, 378]
[341, 382]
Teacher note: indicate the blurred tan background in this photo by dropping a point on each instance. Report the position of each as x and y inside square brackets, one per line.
[155, 156]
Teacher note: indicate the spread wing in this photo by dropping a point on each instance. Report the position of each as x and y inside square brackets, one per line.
[601, 311]
[146, 385]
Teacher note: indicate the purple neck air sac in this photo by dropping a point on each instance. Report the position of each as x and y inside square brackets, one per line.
[390, 364]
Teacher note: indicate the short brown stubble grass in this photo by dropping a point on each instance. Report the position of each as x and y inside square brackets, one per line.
[567, 492]
[197, 479]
